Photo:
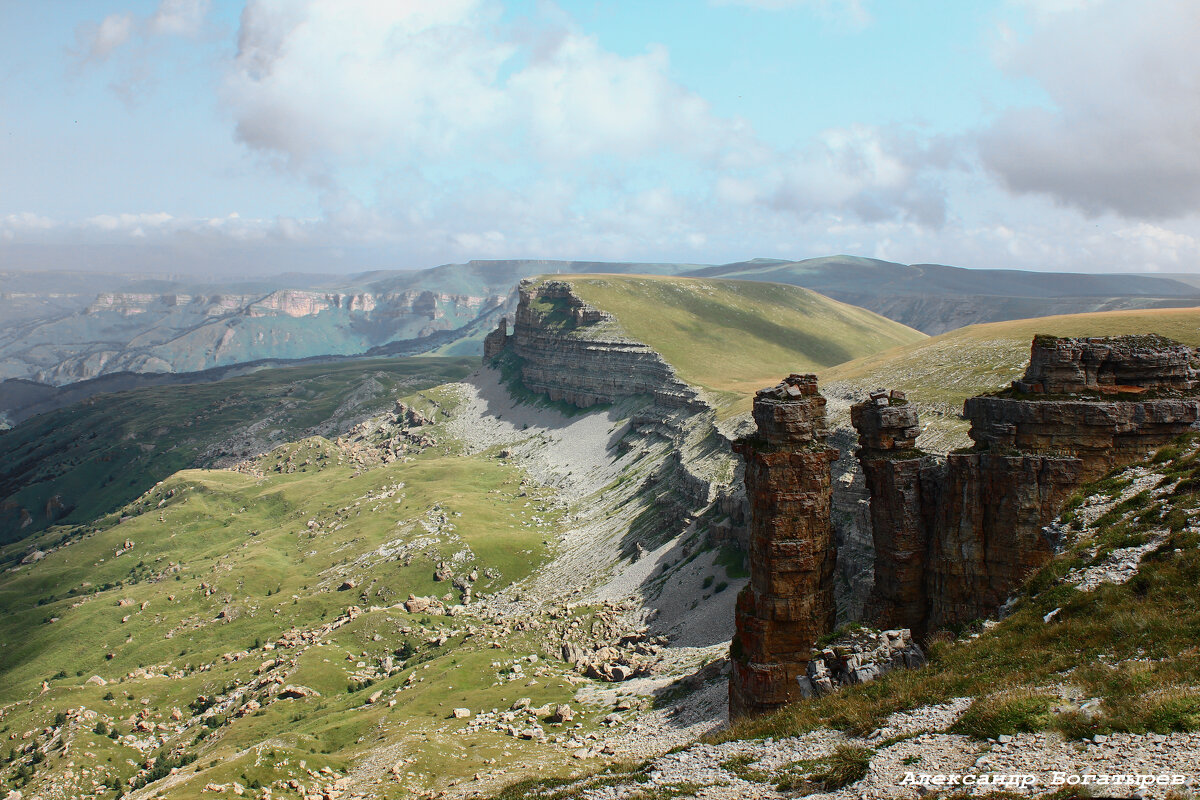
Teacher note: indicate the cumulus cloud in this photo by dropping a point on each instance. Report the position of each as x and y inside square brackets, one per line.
[179, 17]
[98, 41]
[1122, 133]
[334, 81]
[477, 119]
[580, 100]
[861, 171]
[340, 80]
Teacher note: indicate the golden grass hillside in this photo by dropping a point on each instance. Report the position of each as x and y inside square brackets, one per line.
[733, 337]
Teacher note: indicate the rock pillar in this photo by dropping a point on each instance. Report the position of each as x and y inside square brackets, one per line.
[955, 537]
[495, 342]
[789, 601]
[888, 429]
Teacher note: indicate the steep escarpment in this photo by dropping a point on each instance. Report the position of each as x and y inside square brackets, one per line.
[574, 352]
[59, 328]
[955, 536]
[569, 351]
[178, 332]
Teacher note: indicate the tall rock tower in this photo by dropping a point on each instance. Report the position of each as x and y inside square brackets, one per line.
[789, 601]
[888, 429]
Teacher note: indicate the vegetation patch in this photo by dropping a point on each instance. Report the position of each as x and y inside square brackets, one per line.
[1012, 712]
[844, 766]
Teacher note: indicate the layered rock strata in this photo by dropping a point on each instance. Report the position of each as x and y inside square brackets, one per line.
[495, 342]
[570, 351]
[1061, 365]
[954, 537]
[888, 429]
[573, 352]
[789, 601]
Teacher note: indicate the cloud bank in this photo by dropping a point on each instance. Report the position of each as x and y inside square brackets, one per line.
[456, 129]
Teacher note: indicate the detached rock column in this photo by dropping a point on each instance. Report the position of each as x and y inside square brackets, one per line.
[888, 429]
[789, 601]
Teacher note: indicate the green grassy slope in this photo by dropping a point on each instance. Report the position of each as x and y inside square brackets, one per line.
[200, 578]
[935, 298]
[99, 454]
[734, 337]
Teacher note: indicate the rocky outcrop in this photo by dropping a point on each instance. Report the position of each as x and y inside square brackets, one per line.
[573, 352]
[789, 602]
[859, 656]
[986, 532]
[1066, 366]
[1100, 432]
[888, 430]
[955, 536]
[495, 342]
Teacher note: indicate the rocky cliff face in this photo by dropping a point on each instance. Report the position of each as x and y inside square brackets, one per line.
[789, 602]
[573, 352]
[888, 429]
[188, 333]
[495, 342]
[955, 536]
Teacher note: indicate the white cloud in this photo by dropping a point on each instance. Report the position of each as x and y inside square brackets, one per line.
[340, 80]
[179, 17]
[1123, 132]
[325, 83]
[861, 171]
[581, 101]
[128, 222]
[98, 41]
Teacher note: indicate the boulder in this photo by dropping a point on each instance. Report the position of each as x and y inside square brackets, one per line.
[562, 713]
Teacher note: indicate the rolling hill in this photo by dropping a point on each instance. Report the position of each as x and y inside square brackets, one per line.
[734, 337]
[74, 464]
[935, 298]
[355, 599]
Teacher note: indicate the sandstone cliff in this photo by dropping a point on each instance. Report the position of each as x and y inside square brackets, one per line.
[954, 537]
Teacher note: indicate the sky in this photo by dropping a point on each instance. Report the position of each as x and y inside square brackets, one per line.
[243, 137]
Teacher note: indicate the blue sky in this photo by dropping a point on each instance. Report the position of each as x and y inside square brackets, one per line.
[232, 136]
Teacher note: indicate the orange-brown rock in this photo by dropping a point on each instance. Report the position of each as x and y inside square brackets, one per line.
[888, 429]
[954, 537]
[789, 601]
[1065, 366]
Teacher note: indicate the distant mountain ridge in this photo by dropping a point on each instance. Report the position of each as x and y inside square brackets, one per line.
[62, 328]
[934, 298]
